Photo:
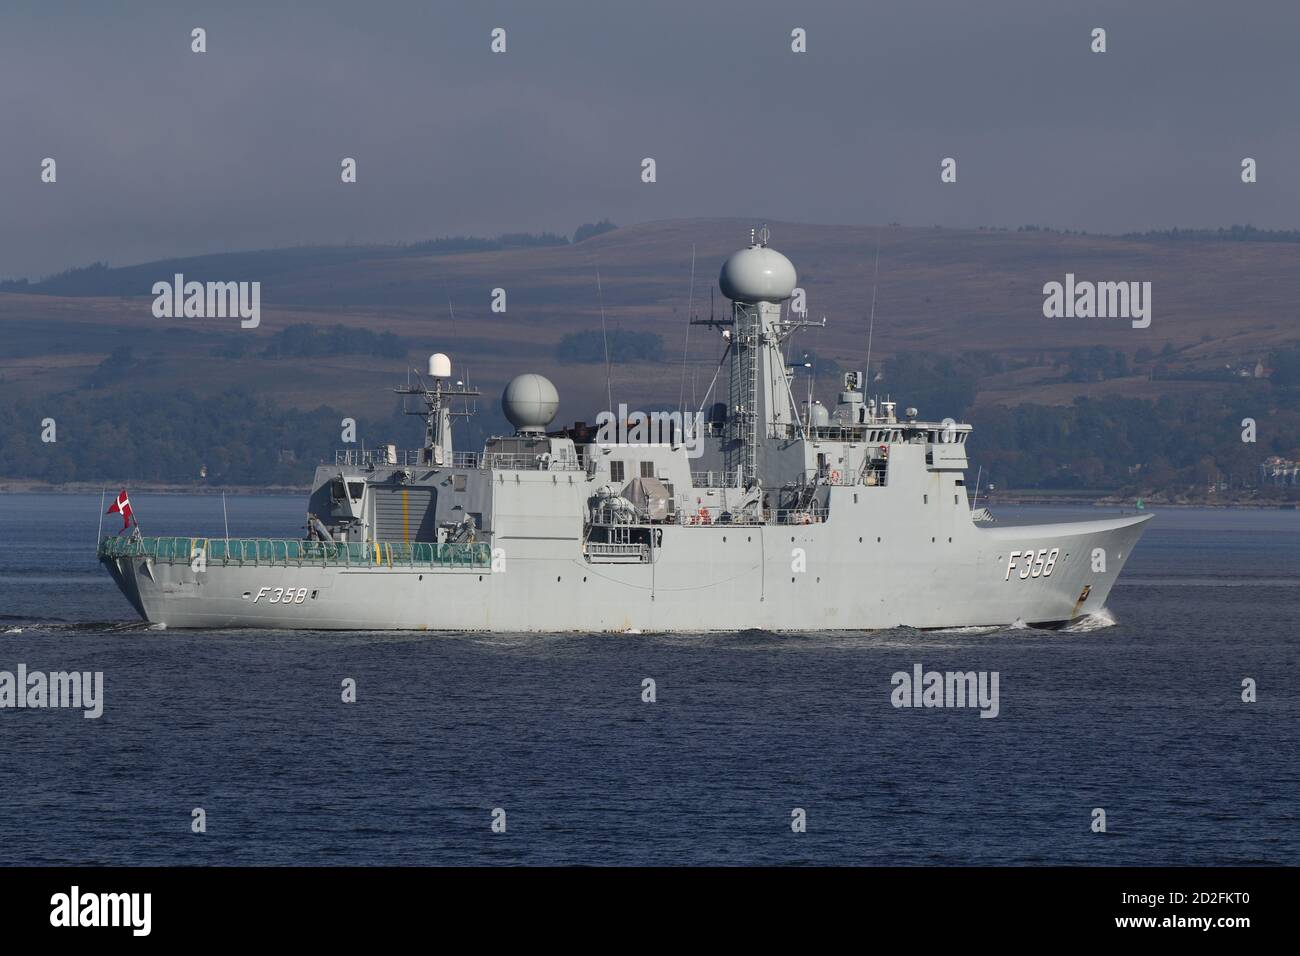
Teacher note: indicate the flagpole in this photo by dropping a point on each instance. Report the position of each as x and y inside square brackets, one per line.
[224, 516]
[99, 535]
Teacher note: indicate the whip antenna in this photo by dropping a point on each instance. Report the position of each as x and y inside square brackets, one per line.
[690, 301]
[871, 324]
[609, 389]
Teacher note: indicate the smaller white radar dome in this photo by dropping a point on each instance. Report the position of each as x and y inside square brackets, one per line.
[530, 402]
[757, 274]
[439, 365]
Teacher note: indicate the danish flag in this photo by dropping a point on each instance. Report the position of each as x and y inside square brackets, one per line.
[122, 506]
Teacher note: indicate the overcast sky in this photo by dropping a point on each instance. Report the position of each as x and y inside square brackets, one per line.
[164, 152]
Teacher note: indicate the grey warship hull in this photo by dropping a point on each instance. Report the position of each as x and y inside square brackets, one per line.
[756, 515]
[942, 573]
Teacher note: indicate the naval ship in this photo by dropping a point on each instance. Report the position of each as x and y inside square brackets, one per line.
[761, 512]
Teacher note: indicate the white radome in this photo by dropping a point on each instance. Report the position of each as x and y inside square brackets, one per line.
[757, 274]
[439, 365]
[530, 401]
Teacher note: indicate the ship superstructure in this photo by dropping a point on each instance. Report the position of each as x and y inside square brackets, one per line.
[759, 511]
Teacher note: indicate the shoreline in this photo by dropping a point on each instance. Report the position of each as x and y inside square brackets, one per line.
[19, 486]
[1011, 498]
[1130, 504]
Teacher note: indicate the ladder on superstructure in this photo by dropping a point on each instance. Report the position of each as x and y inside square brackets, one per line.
[742, 454]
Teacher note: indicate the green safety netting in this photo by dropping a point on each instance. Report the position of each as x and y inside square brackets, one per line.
[282, 552]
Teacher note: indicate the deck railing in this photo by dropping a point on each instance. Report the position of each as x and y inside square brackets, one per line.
[415, 457]
[358, 458]
[711, 515]
[284, 553]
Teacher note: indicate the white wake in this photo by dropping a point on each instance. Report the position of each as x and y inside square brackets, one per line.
[1092, 622]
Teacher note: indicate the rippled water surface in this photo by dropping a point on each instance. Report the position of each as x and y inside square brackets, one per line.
[1137, 711]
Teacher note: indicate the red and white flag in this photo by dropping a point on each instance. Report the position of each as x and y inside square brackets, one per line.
[122, 506]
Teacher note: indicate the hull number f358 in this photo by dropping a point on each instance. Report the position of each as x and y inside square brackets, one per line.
[1031, 564]
[282, 595]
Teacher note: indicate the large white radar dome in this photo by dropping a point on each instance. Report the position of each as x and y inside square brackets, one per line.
[439, 365]
[530, 401]
[757, 274]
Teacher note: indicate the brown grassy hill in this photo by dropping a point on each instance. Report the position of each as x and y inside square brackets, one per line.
[940, 291]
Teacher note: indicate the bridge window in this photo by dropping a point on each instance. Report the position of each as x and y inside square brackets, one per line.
[647, 469]
[616, 471]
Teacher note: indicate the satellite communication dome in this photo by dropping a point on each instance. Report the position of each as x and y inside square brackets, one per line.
[757, 274]
[439, 365]
[530, 402]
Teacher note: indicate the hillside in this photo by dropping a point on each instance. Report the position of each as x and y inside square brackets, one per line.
[970, 298]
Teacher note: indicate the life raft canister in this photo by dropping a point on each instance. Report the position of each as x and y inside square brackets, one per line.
[835, 476]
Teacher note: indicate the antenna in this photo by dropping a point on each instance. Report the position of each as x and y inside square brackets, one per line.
[690, 301]
[871, 325]
[451, 312]
[224, 516]
[609, 389]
